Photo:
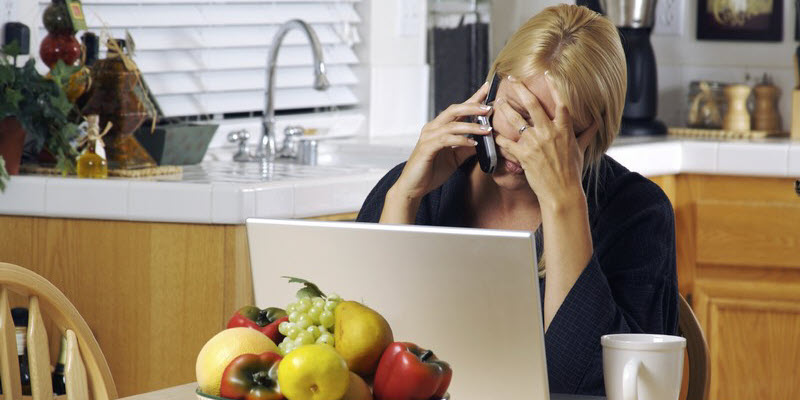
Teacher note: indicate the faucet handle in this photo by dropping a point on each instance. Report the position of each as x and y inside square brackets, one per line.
[290, 142]
[294, 130]
[240, 136]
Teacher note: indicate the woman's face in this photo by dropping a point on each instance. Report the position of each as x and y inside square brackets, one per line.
[509, 174]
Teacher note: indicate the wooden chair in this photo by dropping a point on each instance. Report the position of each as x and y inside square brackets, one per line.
[697, 350]
[86, 370]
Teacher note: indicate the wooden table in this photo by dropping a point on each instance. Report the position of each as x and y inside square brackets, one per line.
[182, 392]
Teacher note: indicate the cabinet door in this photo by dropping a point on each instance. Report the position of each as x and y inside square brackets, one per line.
[753, 330]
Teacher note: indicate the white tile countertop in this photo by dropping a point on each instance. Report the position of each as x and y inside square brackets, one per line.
[224, 192]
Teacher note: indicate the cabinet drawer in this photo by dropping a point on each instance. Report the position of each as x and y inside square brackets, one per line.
[751, 331]
[748, 234]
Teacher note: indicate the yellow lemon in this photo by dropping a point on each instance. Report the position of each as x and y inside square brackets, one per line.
[221, 349]
[313, 372]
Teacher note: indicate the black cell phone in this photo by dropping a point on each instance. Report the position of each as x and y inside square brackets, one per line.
[487, 152]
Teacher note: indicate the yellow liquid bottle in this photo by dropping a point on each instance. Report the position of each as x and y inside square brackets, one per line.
[90, 163]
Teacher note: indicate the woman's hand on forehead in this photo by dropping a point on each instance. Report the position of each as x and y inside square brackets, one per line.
[524, 92]
[530, 93]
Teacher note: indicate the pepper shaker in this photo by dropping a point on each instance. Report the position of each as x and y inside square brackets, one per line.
[765, 114]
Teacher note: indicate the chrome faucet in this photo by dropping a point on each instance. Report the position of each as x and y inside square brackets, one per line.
[266, 146]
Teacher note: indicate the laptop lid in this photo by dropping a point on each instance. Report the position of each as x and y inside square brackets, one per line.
[470, 295]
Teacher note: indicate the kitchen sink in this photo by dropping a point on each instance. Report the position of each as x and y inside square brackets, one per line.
[342, 154]
[253, 172]
[334, 159]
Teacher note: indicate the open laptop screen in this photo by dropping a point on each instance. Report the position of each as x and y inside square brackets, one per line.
[470, 295]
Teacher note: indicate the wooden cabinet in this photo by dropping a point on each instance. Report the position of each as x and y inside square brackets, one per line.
[738, 243]
[152, 293]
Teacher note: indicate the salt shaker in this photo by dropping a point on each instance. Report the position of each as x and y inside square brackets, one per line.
[738, 117]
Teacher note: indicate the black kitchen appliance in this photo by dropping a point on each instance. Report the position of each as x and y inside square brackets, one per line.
[634, 20]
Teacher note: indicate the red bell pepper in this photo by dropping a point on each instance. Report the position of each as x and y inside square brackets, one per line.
[408, 372]
[252, 377]
[265, 321]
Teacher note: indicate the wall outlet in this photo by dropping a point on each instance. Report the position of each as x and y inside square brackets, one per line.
[409, 18]
[669, 18]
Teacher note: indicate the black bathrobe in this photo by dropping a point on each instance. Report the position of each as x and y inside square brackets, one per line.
[629, 285]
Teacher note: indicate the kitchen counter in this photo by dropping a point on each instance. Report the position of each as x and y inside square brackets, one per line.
[221, 192]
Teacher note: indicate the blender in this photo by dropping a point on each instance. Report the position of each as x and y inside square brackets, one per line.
[634, 20]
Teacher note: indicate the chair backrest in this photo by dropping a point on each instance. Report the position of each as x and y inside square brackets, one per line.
[697, 350]
[86, 370]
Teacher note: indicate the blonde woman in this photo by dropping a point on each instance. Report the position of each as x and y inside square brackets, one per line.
[607, 233]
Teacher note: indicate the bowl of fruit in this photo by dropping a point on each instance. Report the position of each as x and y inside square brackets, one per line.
[320, 347]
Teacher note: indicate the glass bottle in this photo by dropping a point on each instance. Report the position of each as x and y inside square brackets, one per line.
[80, 80]
[92, 161]
[59, 380]
[91, 50]
[706, 104]
[20, 317]
[114, 96]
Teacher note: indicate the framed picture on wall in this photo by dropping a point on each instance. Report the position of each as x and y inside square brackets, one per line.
[740, 20]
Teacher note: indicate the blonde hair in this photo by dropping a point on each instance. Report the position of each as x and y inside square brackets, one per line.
[582, 52]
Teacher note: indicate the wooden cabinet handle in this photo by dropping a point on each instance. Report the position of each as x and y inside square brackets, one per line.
[797, 187]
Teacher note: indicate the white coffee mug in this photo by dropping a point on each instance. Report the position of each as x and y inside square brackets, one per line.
[639, 365]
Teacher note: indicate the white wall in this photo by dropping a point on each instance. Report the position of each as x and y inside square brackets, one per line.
[394, 65]
[682, 59]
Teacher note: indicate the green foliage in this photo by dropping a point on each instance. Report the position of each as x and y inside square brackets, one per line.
[40, 105]
[61, 73]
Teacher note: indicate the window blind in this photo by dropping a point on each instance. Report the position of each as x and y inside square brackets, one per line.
[209, 57]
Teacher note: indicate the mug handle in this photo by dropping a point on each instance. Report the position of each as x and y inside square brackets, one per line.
[630, 380]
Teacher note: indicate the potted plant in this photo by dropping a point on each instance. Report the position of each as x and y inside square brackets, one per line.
[39, 106]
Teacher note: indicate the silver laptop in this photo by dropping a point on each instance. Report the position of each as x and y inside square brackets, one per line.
[470, 295]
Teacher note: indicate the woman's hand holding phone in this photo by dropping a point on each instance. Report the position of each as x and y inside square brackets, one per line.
[442, 146]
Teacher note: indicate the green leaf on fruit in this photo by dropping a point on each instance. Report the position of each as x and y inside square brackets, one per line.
[309, 289]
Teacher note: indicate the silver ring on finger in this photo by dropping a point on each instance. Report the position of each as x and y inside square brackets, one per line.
[523, 128]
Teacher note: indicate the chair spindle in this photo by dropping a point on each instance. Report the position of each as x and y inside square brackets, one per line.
[38, 353]
[75, 371]
[9, 362]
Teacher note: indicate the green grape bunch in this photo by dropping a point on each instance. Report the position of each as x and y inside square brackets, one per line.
[310, 318]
